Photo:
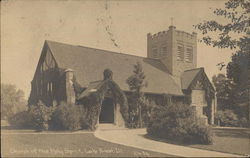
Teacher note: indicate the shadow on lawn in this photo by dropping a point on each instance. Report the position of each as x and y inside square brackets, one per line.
[219, 133]
[175, 142]
[11, 128]
[232, 133]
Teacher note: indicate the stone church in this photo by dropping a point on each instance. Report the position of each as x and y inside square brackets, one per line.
[69, 73]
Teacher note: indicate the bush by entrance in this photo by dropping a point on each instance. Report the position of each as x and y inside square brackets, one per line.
[177, 123]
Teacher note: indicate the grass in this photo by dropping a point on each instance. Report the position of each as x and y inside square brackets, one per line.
[225, 140]
[47, 144]
[229, 141]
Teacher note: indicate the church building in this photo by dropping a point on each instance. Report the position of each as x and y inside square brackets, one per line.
[71, 73]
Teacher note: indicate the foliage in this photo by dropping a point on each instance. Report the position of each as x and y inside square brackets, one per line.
[229, 98]
[108, 74]
[146, 107]
[200, 134]
[12, 101]
[41, 115]
[136, 82]
[21, 120]
[236, 13]
[177, 123]
[225, 95]
[238, 72]
[244, 122]
[119, 95]
[36, 117]
[234, 35]
[92, 103]
[226, 118]
[66, 117]
[92, 107]
[84, 124]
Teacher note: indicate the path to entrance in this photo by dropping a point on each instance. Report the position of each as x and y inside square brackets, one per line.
[135, 138]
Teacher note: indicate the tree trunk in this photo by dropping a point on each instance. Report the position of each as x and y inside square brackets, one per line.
[140, 119]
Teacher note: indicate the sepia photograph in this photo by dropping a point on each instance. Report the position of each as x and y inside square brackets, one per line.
[125, 78]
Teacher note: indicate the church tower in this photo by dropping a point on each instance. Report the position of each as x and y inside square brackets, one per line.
[176, 49]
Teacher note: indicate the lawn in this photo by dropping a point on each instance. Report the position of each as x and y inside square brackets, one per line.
[31, 144]
[234, 141]
[230, 141]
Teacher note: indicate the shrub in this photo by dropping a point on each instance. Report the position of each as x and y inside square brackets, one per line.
[84, 123]
[146, 107]
[200, 134]
[66, 117]
[36, 117]
[41, 115]
[226, 118]
[91, 107]
[244, 122]
[177, 122]
[21, 120]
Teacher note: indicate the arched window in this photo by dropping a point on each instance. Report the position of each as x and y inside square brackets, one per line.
[51, 88]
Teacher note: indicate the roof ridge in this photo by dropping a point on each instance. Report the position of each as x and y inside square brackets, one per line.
[194, 69]
[107, 51]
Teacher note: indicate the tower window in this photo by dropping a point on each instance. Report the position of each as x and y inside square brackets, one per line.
[154, 52]
[164, 51]
[189, 54]
[180, 52]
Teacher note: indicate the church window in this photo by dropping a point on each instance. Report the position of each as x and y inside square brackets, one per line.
[180, 52]
[189, 54]
[48, 88]
[51, 87]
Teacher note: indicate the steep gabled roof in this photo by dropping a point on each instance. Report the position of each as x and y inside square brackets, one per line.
[89, 63]
[188, 76]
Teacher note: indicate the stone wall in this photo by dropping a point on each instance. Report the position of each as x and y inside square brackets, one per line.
[70, 92]
[198, 103]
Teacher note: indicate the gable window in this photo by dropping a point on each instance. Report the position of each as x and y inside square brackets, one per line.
[164, 51]
[180, 52]
[189, 54]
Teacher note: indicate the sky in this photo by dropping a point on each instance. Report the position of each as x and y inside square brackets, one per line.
[25, 25]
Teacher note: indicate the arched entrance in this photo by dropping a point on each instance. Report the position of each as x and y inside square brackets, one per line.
[107, 111]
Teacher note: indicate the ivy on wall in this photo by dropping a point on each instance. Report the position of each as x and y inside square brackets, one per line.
[94, 101]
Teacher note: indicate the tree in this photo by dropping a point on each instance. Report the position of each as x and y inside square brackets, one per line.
[136, 83]
[237, 14]
[233, 34]
[225, 95]
[12, 100]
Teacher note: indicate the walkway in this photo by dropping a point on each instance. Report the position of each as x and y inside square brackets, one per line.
[135, 138]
